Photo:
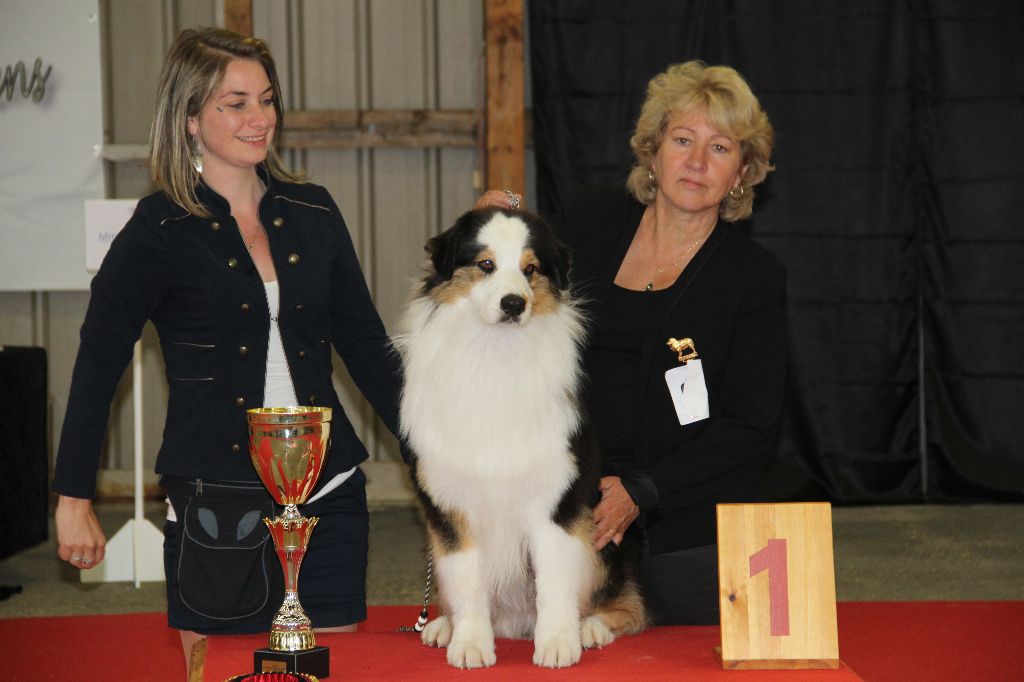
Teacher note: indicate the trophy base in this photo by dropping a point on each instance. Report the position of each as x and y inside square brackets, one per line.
[315, 661]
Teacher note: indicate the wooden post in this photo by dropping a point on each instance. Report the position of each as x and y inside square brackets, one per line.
[504, 165]
[777, 587]
[238, 16]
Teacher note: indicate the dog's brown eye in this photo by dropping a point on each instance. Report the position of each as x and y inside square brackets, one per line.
[486, 265]
[529, 269]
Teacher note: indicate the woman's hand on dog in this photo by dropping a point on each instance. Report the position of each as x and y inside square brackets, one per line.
[613, 513]
[499, 198]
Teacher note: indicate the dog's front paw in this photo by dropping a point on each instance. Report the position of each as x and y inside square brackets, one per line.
[469, 654]
[595, 633]
[437, 632]
[558, 651]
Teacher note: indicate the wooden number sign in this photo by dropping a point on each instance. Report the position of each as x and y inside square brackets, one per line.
[777, 586]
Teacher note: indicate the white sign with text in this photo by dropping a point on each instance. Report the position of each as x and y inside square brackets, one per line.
[51, 131]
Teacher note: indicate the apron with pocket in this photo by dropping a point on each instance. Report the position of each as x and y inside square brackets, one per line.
[226, 561]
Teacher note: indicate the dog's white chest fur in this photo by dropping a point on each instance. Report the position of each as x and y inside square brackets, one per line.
[489, 409]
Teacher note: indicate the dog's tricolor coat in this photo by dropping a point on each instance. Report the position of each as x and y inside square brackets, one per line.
[502, 459]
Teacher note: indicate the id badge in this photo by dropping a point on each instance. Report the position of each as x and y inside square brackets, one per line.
[689, 392]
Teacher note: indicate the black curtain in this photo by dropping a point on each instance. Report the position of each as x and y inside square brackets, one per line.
[899, 151]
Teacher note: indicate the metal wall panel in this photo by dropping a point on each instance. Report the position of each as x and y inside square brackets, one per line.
[17, 326]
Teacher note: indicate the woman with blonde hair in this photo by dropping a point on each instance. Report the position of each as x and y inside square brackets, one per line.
[250, 279]
[687, 353]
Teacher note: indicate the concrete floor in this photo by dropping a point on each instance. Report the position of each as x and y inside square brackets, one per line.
[890, 553]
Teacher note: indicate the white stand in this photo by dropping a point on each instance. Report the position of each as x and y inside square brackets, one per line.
[136, 551]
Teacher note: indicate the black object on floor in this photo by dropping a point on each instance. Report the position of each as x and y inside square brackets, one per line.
[7, 591]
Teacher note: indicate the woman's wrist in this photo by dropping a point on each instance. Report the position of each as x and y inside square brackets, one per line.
[641, 488]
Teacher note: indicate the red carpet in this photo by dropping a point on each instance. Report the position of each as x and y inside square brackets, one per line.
[881, 641]
[947, 641]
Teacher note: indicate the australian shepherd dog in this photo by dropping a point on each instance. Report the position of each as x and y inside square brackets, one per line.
[503, 461]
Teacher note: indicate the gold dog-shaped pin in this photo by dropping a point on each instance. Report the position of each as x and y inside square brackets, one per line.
[679, 345]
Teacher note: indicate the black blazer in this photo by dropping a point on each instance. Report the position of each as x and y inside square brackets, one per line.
[195, 280]
[730, 300]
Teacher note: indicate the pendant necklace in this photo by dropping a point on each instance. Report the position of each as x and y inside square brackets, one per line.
[661, 268]
[249, 245]
[250, 242]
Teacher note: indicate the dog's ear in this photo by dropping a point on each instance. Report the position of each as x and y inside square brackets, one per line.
[456, 242]
[442, 249]
[563, 266]
[555, 255]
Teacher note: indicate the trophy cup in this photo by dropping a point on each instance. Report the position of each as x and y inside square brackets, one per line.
[288, 446]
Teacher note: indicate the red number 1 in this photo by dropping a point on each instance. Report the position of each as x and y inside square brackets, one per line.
[772, 558]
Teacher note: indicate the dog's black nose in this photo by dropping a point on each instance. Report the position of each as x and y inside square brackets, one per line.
[513, 305]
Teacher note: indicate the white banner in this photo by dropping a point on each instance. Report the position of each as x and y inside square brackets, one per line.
[51, 131]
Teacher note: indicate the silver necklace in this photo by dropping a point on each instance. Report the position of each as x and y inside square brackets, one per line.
[661, 268]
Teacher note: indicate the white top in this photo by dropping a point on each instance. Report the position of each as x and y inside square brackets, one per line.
[278, 390]
[277, 386]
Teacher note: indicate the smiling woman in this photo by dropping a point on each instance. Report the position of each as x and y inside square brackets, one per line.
[195, 77]
[235, 127]
[250, 278]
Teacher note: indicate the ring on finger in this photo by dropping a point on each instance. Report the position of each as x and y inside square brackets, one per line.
[86, 561]
[513, 200]
[75, 557]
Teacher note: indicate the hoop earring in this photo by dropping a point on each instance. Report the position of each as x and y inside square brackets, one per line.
[197, 155]
[733, 195]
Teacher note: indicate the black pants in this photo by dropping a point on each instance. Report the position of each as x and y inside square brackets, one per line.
[681, 588]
